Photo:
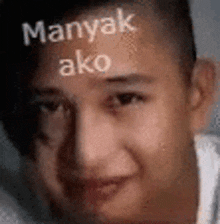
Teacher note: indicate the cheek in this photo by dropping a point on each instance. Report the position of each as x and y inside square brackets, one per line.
[47, 168]
[51, 135]
[54, 128]
[159, 137]
[49, 145]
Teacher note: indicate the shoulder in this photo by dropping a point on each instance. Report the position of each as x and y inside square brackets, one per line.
[18, 204]
[208, 148]
[13, 198]
[208, 154]
[10, 212]
[208, 157]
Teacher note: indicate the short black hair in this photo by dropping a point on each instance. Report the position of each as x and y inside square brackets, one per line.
[19, 122]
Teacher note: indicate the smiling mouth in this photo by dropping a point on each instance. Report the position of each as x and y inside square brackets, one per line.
[101, 190]
[94, 190]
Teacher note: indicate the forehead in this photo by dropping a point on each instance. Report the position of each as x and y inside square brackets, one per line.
[133, 46]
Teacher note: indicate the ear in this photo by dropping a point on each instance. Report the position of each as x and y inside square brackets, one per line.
[202, 94]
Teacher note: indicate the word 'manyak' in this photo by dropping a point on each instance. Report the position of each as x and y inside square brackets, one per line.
[58, 33]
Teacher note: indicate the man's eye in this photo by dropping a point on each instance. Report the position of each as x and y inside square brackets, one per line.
[124, 99]
[51, 107]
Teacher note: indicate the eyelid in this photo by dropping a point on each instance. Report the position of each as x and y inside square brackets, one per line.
[39, 101]
[135, 93]
[43, 98]
[141, 98]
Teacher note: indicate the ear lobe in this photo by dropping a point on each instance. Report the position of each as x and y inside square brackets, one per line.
[202, 93]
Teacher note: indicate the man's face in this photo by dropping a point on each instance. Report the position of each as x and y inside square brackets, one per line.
[115, 144]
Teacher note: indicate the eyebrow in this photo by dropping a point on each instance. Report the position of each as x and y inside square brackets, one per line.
[123, 79]
[131, 79]
[49, 91]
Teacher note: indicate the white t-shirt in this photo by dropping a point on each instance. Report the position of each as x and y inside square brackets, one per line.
[208, 156]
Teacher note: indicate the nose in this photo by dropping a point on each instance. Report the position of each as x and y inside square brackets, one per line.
[97, 144]
[98, 150]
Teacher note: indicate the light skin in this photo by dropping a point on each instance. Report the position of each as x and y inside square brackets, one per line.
[136, 121]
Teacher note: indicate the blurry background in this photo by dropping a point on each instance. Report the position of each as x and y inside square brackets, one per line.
[206, 20]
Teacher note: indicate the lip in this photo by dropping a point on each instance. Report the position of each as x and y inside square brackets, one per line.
[98, 190]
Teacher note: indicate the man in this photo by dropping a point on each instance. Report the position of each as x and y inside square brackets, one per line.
[111, 98]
